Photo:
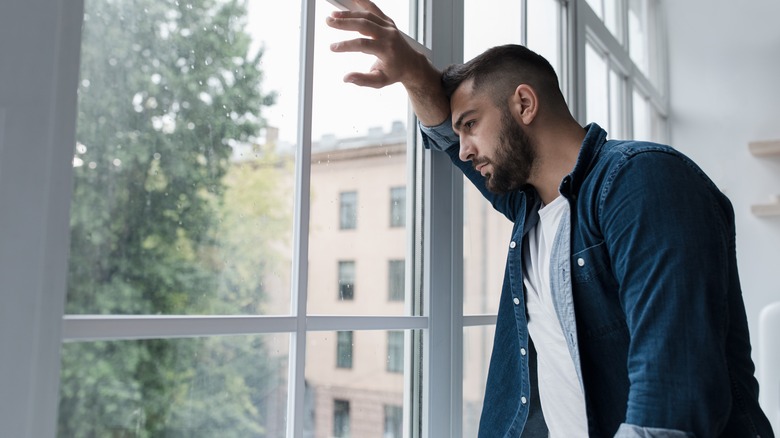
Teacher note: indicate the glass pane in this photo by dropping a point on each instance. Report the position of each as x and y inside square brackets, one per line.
[396, 272]
[394, 421]
[617, 85]
[348, 210]
[358, 151]
[346, 286]
[397, 206]
[486, 235]
[477, 346]
[205, 387]
[499, 24]
[344, 346]
[612, 16]
[544, 29]
[596, 91]
[372, 388]
[597, 7]
[184, 162]
[637, 34]
[641, 118]
[485, 231]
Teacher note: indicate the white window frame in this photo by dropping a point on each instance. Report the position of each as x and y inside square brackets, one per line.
[37, 127]
[591, 29]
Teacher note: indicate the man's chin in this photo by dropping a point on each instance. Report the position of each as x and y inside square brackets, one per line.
[493, 188]
[501, 189]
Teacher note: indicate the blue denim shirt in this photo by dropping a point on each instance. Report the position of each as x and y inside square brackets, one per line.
[644, 280]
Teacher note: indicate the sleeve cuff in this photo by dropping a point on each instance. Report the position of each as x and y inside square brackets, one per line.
[632, 431]
[440, 137]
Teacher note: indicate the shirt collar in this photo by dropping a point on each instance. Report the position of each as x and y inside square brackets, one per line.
[595, 137]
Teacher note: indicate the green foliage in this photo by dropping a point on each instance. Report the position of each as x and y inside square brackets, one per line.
[248, 221]
[166, 88]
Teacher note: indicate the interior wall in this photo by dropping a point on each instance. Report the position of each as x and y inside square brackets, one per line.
[724, 81]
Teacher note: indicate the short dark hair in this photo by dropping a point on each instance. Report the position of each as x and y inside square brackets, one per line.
[499, 70]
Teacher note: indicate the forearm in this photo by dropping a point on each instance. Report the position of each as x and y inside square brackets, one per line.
[423, 86]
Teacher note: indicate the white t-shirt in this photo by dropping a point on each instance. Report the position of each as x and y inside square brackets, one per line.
[563, 402]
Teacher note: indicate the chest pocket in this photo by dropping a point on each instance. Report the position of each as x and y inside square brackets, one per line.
[596, 293]
[586, 265]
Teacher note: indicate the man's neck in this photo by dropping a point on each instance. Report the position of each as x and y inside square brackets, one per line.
[557, 152]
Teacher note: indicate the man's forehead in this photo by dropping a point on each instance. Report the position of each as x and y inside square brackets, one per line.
[463, 96]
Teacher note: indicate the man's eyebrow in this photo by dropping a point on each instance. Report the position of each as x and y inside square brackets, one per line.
[463, 116]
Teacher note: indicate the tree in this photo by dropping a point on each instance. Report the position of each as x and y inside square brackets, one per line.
[166, 88]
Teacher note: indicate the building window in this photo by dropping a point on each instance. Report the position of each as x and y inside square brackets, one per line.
[398, 206]
[346, 280]
[395, 351]
[348, 210]
[340, 418]
[344, 350]
[394, 420]
[395, 276]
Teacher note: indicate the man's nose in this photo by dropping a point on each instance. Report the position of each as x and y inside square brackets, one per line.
[467, 151]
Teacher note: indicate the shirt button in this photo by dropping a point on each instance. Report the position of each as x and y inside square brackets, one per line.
[522, 351]
[512, 244]
[516, 300]
[523, 400]
[581, 261]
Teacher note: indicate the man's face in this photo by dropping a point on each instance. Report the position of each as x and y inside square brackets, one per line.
[492, 140]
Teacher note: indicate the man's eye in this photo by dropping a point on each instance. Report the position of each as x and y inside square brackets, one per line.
[469, 124]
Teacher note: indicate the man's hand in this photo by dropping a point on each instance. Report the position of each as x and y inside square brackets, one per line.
[397, 60]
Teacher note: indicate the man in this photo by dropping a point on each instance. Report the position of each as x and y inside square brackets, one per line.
[621, 312]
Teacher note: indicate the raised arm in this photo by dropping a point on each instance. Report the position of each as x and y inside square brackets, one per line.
[397, 61]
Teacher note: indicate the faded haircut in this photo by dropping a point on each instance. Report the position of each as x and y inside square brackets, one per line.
[500, 70]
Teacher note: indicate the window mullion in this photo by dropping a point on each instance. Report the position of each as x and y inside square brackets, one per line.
[443, 253]
[299, 292]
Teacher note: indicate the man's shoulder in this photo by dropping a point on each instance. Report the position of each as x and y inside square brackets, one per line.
[629, 148]
[617, 153]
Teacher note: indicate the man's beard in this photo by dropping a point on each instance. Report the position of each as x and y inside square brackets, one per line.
[514, 159]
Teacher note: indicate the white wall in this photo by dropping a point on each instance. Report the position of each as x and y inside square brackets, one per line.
[725, 92]
[38, 76]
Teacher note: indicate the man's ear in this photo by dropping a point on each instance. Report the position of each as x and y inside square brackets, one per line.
[524, 104]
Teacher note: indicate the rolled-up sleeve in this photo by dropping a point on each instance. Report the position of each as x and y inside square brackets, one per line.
[440, 137]
[632, 431]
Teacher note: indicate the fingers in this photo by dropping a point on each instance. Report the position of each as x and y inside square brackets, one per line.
[363, 45]
[374, 9]
[364, 22]
[374, 79]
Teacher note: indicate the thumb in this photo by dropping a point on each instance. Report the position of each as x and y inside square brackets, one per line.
[374, 79]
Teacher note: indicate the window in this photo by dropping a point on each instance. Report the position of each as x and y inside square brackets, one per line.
[395, 352]
[394, 420]
[348, 210]
[344, 350]
[341, 419]
[196, 235]
[398, 206]
[622, 85]
[347, 280]
[395, 273]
